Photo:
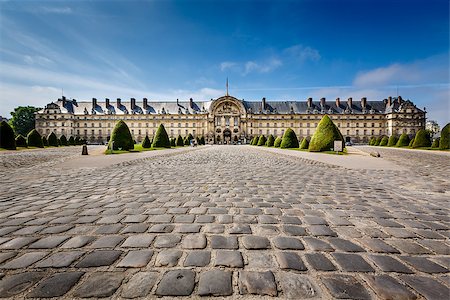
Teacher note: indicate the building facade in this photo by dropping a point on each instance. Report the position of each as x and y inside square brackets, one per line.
[228, 120]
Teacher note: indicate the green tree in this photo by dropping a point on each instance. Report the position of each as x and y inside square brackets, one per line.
[422, 139]
[52, 140]
[289, 139]
[7, 140]
[435, 143]
[21, 141]
[392, 140]
[403, 140]
[444, 142]
[304, 144]
[384, 141]
[261, 140]
[71, 141]
[270, 141]
[44, 141]
[325, 135]
[277, 142]
[34, 139]
[180, 141]
[161, 138]
[63, 140]
[121, 136]
[23, 119]
[146, 142]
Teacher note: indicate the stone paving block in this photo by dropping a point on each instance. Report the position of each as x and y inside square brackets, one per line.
[321, 230]
[424, 265]
[60, 259]
[12, 285]
[197, 258]
[24, 260]
[430, 288]
[377, 245]
[139, 285]
[166, 241]
[317, 244]
[77, 242]
[290, 260]
[109, 229]
[345, 245]
[56, 229]
[259, 283]
[409, 247]
[290, 220]
[352, 262]
[194, 241]
[176, 283]
[389, 264]
[168, 258]
[224, 219]
[17, 243]
[214, 228]
[136, 259]
[188, 228]
[215, 283]
[255, 242]
[99, 284]
[160, 219]
[204, 219]
[135, 228]
[109, 241]
[439, 247]
[99, 258]
[387, 287]
[260, 260]
[294, 230]
[240, 229]
[224, 242]
[266, 230]
[229, 258]
[6, 255]
[319, 262]
[345, 287]
[313, 220]
[286, 243]
[296, 286]
[161, 228]
[56, 285]
[263, 219]
[138, 241]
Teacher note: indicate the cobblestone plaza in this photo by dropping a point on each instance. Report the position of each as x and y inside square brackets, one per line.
[234, 221]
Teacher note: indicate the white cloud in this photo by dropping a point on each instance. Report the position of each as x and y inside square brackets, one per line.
[55, 10]
[226, 65]
[302, 53]
[262, 67]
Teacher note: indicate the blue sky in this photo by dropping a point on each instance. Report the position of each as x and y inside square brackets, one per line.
[281, 50]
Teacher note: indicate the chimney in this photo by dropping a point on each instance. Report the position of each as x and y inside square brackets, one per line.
[400, 100]
[94, 103]
[118, 103]
[385, 101]
[363, 102]
[107, 102]
[145, 104]
[264, 103]
[389, 103]
[63, 101]
[338, 102]
[191, 103]
[178, 101]
[309, 101]
[350, 102]
[322, 102]
[133, 103]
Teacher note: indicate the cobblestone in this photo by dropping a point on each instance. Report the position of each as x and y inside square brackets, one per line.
[236, 220]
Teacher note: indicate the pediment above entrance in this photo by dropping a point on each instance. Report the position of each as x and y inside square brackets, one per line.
[227, 105]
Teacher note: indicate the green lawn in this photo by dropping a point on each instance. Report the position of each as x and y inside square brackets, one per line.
[138, 148]
[306, 150]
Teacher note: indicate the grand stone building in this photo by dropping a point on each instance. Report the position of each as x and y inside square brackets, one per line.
[228, 119]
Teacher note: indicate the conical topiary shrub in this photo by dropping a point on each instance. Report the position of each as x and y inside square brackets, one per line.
[44, 141]
[202, 140]
[21, 141]
[52, 140]
[173, 142]
[289, 139]
[121, 137]
[146, 142]
[255, 141]
[304, 144]
[161, 139]
[261, 140]
[411, 142]
[444, 142]
[34, 139]
[435, 143]
[384, 141]
[325, 135]
[277, 142]
[78, 141]
[190, 137]
[403, 140]
[392, 141]
[422, 139]
[7, 140]
[270, 141]
[180, 142]
[378, 141]
[372, 141]
[186, 141]
[71, 141]
[63, 140]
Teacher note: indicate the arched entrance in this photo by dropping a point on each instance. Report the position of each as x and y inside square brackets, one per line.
[227, 136]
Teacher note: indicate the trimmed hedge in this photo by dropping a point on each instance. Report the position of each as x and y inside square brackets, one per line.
[270, 141]
[444, 142]
[422, 139]
[161, 138]
[173, 142]
[21, 141]
[121, 136]
[78, 141]
[289, 139]
[52, 140]
[63, 140]
[7, 140]
[71, 141]
[304, 144]
[277, 142]
[146, 142]
[435, 143]
[44, 141]
[262, 140]
[384, 141]
[378, 141]
[180, 142]
[403, 140]
[325, 135]
[255, 141]
[392, 141]
[372, 141]
[411, 142]
[34, 139]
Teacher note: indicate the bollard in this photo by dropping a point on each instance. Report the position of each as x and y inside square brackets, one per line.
[375, 154]
[84, 151]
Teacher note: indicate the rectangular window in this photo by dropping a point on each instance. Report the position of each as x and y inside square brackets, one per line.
[187, 124]
[227, 121]
[267, 125]
[139, 131]
[179, 124]
[100, 132]
[236, 121]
